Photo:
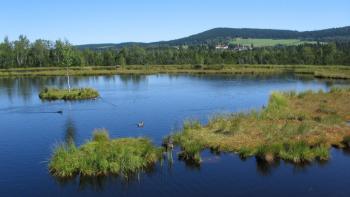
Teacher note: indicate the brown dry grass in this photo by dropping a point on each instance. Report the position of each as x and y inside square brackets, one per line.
[309, 121]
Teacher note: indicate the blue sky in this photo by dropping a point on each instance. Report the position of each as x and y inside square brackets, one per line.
[102, 21]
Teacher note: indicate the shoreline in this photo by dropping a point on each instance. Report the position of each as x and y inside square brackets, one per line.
[330, 72]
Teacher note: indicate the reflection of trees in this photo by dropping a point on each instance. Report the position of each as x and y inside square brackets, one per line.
[70, 131]
[134, 79]
[8, 84]
[24, 87]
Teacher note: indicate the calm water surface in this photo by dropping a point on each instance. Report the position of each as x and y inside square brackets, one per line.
[29, 131]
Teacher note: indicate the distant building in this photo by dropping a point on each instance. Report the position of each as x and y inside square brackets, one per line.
[242, 48]
[221, 47]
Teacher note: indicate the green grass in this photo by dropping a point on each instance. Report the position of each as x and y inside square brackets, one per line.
[102, 156]
[189, 148]
[333, 72]
[256, 42]
[297, 127]
[65, 94]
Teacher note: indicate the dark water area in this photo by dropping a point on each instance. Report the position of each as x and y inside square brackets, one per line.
[30, 129]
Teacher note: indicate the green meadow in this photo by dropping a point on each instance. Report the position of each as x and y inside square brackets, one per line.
[268, 42]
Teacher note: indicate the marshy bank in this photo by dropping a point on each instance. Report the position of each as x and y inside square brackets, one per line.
[27, 146]
[68, 94]
[102, 156]
[331, 72]
[297, 127]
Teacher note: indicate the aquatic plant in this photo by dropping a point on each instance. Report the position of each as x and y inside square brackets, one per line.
[100, 135]
[66, 94]
[292, 127]
[190, 150]
[102, 156]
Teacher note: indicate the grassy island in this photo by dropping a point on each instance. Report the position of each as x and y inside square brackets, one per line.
[66, 94]
[296, 127]
[103, 155]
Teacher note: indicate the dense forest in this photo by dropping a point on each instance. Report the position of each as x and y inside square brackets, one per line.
[43, 53]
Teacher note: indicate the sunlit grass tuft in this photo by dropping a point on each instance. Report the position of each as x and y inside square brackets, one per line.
[103, 156]
[66, 94]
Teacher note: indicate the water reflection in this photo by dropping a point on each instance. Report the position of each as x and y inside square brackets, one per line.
[26, 87]
[169, 158]
[264, 167]
[133, 79]
[100, 183]
[346, 151]
[70, 131]
[95, 183]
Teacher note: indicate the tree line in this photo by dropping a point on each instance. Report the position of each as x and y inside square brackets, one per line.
[43, 53]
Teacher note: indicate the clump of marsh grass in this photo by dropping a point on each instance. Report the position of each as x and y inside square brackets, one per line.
[331, 119]
[191, 124]
[277, 107]
[304, 94]
[64, 160]
[296, 152]
[297, 127]
[299, 152]
[190, 148]
[66, 94]
[277, 101]
[100, 135]
[190, 151]
[229, 124]
[103, 156]
[338, 90]
[245, 152]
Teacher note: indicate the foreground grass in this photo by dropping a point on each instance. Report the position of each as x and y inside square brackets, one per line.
[102, 156]
[65, 94]
[336, 72]
[294, 127]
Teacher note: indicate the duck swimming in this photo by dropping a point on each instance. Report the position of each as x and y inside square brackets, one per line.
[140, 124]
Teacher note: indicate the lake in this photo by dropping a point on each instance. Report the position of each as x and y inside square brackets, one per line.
[30, 128]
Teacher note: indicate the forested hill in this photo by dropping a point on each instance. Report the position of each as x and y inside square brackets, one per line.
[216, 34]
[219, 35]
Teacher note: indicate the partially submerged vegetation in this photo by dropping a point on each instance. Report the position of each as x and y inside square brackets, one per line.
[66, 94]
[334, 72]
[294, 127]
[102, 156]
